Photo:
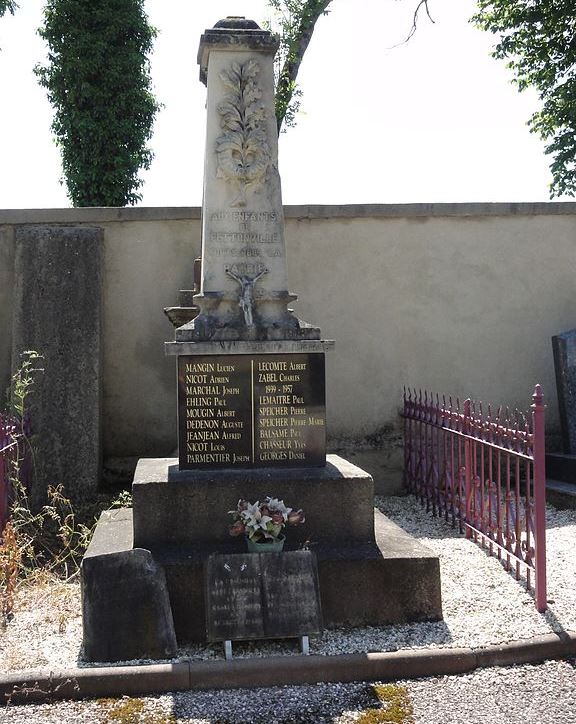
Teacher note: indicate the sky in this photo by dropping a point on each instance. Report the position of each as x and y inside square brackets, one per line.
[433, 120]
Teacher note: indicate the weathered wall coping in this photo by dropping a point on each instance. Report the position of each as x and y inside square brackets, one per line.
[311, 211]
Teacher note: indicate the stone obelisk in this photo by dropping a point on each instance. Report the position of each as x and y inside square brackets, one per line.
[251, 389]
[244, 291]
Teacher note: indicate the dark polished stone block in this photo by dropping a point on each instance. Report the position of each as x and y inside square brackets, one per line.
[251, 410]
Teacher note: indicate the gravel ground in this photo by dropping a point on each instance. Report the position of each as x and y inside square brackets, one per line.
[544, 694]
[482, 604]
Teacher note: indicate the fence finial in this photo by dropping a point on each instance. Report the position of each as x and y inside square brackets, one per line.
[538, 395]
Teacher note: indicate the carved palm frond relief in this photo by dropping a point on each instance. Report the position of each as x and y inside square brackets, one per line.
[242, 150]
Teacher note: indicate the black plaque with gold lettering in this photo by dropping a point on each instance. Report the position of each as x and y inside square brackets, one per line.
[251, 411]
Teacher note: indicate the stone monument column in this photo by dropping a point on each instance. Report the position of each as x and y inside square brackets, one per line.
[251, 422]
[251, 390]
[244, 290]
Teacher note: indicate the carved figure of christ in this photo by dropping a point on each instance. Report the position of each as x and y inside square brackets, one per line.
[246, 298]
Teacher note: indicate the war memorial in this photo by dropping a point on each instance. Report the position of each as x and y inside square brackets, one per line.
[251, 424]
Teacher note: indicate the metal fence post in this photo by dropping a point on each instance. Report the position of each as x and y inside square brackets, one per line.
[539, 498]
[468, 490]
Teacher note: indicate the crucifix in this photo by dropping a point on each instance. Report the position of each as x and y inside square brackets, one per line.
[246, 299]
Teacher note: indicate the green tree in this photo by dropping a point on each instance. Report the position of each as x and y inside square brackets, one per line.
[296, 20]
[9, 5]
[538, 39]
[98, 81]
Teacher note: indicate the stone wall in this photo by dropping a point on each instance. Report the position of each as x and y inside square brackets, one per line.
[460, 298]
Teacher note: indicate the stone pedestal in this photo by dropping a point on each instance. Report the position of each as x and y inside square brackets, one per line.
[371, 572]
[174, 508]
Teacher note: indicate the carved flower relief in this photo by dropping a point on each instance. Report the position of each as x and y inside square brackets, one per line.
[242, 151]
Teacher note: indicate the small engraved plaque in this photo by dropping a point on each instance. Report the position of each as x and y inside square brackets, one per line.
[234, 597]
[291, 594]
[262, 595]
[251, 411]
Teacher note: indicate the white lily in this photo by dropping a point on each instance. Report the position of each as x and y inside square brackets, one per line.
[259, 526]
[276, 505]
[253, 518]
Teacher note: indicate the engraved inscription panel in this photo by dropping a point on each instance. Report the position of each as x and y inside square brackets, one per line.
[267, 595]
[291, 594]
[251, 411]
[234, 598]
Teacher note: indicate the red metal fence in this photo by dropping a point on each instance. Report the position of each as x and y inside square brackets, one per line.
[483, 472]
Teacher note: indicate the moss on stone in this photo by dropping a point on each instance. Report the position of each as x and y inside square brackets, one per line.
[131, 711]
[396, 706]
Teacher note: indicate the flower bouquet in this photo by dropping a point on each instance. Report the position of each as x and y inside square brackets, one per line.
[263, 523]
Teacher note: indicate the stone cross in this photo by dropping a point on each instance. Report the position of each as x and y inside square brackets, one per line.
[242, 219]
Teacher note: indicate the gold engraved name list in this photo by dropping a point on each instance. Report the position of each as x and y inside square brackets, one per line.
[251, 411]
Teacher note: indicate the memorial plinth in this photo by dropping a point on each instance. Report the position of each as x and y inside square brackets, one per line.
[371, 572]
[252, 399]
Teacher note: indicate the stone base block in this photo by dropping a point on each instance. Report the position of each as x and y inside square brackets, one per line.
[392, 580]
[126, 610]
[396, 579]
[181, 508]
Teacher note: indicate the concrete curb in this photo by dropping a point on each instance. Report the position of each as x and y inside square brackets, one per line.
[42, 686]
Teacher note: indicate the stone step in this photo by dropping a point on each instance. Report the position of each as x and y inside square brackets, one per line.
[180, 508]
[561, 494]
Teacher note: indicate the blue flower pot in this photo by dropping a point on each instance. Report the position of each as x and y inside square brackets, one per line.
[270, 546]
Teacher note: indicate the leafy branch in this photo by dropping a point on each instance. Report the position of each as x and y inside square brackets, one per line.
[538, 41]
[296, 20]
[7, 5]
